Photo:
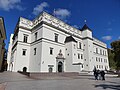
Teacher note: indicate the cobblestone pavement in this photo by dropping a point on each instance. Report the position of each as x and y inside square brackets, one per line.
[16, 81]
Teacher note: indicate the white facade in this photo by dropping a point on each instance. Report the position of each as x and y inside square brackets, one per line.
[47, 44]
[9, 53]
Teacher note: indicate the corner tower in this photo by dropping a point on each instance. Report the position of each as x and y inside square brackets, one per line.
[88, 48]
[70, 53]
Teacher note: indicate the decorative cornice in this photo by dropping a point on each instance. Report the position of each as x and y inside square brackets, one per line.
[100, 45]
[99, 42]
[51, 20]
[87, 38]
[47, 19]
[25, 23]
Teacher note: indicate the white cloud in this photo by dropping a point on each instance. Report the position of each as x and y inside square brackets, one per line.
[62, 13]
[107, 38]
[40, 8]
[10, 4]
[119, 37]
[76, 26]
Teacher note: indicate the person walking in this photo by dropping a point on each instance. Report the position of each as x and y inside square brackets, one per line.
[99, 75]
[96, 74]
[102, 75]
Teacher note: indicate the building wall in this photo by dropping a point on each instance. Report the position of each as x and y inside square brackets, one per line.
[9, 52]
[35, 60]
[50, 59]
[42, 60]
[19, 59]
[2, 38]
[101, 60]
[0, 54]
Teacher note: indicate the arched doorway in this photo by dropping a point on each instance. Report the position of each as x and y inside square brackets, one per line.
[60, 66]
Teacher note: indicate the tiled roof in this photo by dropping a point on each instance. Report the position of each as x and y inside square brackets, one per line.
[85, 27]
[69, 39]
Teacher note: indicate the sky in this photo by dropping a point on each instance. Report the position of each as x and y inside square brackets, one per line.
[101, 16]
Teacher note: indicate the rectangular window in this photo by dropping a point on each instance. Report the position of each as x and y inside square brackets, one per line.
[100, 51]
[99, 59]
[56, 37]
[34, 51]
[36, 34]
[24, 52]
[102, 66]
[25, 38]
[104, 60]
[97, 66]
[103, 52]
[51, 51]
[78, 56]
[97, 50]
[81, 56]
[74, 46]
[80, 45]
[96, 59]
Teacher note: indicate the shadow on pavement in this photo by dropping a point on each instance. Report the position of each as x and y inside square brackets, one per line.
[108, 86]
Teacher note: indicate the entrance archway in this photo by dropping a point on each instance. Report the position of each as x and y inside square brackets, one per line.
[60, 66]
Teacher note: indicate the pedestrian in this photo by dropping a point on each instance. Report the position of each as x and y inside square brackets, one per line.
[96, 74]
[99, 74]
[102, 75]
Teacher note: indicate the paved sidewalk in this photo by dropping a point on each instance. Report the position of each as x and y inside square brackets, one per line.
[16, 81]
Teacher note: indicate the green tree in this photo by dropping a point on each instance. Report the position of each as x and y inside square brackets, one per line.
[112, 62]
[116, 50]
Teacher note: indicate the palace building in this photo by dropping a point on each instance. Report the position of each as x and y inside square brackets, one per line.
[48, 44]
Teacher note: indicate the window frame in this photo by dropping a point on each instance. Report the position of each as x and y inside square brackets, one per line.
[36, 35]
[24, 52]
[25, 38]
[78, 56]
[51, 51]
[35, 51]
[56, 37]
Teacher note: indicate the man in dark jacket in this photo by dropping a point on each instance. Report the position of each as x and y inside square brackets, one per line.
[102, 75]
[96, 74]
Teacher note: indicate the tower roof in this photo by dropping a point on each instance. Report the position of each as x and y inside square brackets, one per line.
[69, 39]
[85, 27]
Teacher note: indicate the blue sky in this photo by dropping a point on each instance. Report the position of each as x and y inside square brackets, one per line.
[102, 16]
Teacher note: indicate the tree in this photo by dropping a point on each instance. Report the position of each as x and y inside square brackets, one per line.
[116, 50]
[112, 62]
